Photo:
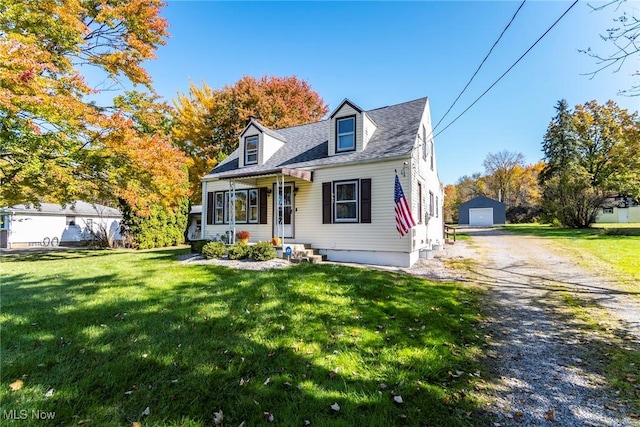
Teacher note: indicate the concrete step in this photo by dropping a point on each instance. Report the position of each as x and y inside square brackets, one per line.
[303, 253]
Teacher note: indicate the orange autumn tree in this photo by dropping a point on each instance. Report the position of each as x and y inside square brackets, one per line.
[207, 121]
[53, 134]
[57, 143]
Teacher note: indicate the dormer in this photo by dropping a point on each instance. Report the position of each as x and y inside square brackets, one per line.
[350, 129]
[258, 143]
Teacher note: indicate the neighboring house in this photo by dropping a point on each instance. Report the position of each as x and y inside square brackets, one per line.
[482, 211]
[195, 223]
[619, 209]
[330, 185]
[52, 224]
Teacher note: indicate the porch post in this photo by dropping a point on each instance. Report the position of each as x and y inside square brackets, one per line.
[281, 209]
[232, 212]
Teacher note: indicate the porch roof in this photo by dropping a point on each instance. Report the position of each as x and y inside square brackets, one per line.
[306, 175]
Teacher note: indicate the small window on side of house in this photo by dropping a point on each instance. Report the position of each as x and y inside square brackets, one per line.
[431, 204]
[71, 221]
[420, 210]
[424, 142]
[607, 210]
[251, 150]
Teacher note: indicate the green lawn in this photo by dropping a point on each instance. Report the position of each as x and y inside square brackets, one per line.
[614, 247]
[99, 336]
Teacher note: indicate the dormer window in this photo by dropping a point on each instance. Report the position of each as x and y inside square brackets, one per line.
[251, 150]
[346, 134]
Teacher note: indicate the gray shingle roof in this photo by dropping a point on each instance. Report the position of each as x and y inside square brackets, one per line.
[307, 145]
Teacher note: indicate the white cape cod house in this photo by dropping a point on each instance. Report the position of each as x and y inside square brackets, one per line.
[330, 185]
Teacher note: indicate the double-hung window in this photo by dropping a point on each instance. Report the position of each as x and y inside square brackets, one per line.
[346, 201]
[431, 204]
[251, 150]
[346, 134]
[245, 208]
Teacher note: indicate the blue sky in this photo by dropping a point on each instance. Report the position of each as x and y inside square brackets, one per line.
[383, 53]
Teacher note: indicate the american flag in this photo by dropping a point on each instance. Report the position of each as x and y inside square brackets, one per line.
[404, 219]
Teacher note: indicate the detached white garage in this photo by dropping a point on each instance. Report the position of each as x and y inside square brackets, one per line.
[482, 211]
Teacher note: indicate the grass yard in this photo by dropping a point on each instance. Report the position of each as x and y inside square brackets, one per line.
[615, 246]
[117, 337]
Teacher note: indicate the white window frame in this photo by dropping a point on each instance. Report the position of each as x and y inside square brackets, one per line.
[340, 149]
[253, 207]
[337, 202]
[251, 156]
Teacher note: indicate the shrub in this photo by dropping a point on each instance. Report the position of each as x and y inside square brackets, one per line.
[239, 251]
[197, 245]
[214, 250]
[263, 251]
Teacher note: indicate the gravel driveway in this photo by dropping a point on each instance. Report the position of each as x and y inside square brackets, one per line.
[546, 370]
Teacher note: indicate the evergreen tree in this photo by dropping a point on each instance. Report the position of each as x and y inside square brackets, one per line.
[560, 143]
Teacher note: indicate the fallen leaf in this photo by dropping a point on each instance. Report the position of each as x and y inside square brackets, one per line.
[519, 414]
[136, 424]
[49, 393]
[144, 356]
[16, 385]
[129, 392]
[397, 399]
[550, 415]
[217, 418]
[631, 378]
[84, 421]
[492, 354]
[269, 416]
[146, 412]
[307, 422]
[267, 381]
[335, 407]
[241, 424]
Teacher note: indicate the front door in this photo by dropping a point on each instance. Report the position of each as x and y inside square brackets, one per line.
[283, 210]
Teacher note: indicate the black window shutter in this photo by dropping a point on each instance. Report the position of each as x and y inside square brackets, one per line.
[326, 202]
[263, 206]
[365, 200]
[210, 208]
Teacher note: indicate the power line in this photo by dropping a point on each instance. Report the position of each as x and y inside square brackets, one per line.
[480, 66]
[509, 69]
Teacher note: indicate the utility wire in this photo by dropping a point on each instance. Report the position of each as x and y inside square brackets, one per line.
[509, 69]
[480, 66]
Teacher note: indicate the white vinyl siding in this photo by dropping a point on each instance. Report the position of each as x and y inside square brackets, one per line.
[369, 130]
